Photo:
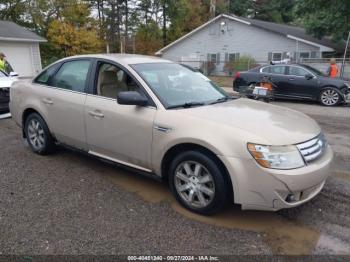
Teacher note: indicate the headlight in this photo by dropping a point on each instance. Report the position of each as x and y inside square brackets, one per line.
[277, 157]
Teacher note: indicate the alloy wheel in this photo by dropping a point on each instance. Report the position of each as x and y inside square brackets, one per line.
[194, 184]
[330, 97]
[36, 134]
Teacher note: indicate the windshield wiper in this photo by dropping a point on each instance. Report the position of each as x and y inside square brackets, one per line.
[221, 100]
[186, 105]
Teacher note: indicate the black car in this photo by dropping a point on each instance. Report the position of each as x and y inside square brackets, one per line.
[296, 81]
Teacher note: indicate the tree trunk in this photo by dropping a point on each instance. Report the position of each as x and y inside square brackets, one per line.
[112, 29]
[126, 36]
[164, 23]
[118, 25]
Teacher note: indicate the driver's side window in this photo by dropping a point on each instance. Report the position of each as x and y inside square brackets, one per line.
[111, 80]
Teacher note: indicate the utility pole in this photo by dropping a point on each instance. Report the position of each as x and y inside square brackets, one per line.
[212, 8]
[345, 51]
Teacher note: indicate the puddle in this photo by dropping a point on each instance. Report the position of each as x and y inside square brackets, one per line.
[282, 235]
[342, 175]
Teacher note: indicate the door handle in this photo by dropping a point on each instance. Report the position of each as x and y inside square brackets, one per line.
[47, 101]
[291, 79]
[96, 114]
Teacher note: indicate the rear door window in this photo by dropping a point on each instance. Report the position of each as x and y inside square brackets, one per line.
[45, 76]
[266, 69]
[297, 71]
[72, 75]
[278, 70]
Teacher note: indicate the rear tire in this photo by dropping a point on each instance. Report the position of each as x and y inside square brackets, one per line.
[198, 183]
[38, 135]
[330, 97]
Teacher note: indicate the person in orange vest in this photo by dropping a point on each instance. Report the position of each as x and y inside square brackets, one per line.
[333, 69]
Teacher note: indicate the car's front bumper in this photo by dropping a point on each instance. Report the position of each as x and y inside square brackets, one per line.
[346, 98]
[261, 188]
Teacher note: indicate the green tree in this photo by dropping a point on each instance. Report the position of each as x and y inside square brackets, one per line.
[13, 10]
[71, 30]
[323, 17]
[241, 7]
[279, 11]
[148, 38]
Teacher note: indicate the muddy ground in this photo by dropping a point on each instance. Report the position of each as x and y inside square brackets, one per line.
[69, 203]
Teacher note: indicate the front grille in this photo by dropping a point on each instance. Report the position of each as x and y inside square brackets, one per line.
[313, 149]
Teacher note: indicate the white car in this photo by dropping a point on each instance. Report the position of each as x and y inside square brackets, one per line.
[6, 81]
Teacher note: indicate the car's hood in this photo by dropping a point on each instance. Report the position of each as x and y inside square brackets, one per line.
[335, 81]
[277, 125]
[5, 82]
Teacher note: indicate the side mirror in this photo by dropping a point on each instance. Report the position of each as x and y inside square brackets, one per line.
[13, 74]
[131, 98]
[309, 76]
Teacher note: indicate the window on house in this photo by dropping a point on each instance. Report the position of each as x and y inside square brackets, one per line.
[233, 57]
[213, 58]
[304, 55]
[277, 56]
[315, 54]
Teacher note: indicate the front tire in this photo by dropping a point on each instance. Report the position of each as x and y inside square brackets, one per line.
[198, 183]
[330, 97]
[38, 135]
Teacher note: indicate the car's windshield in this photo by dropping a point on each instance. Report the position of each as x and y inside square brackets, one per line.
[314, 70]
[2, 74]
[176, 85]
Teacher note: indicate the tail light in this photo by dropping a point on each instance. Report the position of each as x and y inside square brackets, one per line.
[238, 74]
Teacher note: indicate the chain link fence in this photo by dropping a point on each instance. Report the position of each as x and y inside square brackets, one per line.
[322, 64]
[222, 67]
[229, 68]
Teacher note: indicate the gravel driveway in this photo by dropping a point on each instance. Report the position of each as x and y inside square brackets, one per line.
[70, 203]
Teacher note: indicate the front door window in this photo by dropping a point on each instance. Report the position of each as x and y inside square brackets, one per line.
[112, 80]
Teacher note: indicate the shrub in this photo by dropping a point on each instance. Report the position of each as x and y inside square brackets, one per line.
[243, 63]
[208, 67]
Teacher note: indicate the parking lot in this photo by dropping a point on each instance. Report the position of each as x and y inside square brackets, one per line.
[70, 203]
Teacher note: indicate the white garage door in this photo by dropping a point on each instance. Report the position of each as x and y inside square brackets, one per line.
[19, 56]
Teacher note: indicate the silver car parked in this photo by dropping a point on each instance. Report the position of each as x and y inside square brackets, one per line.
[159, 117]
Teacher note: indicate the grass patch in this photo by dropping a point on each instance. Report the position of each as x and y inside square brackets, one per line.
[223, 81]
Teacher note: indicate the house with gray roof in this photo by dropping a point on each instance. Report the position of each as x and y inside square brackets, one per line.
[228, 37]
[21, 48]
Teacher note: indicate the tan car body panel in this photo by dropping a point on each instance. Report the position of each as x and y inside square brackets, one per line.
[132, 135]
[141, 136]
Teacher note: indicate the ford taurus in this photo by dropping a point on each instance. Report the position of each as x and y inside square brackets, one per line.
[160, 118]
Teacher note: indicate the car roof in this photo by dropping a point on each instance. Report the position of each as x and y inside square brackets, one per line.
[126, 59]
[265, 65]
[290, 64]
